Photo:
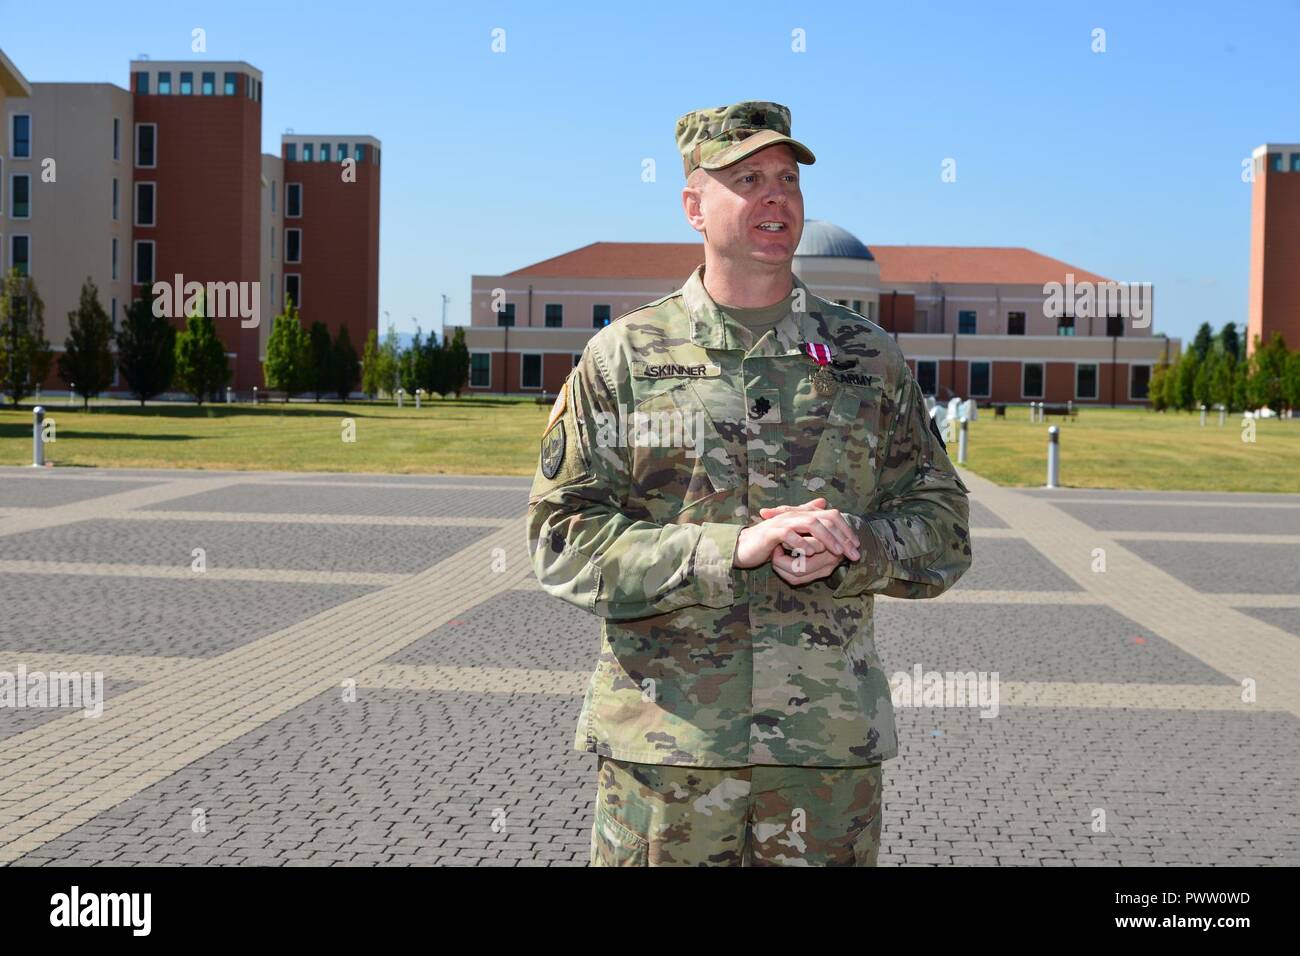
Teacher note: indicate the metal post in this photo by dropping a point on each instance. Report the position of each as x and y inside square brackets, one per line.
[961, 443]
[399, 398]
[1053, 457]
[72, 393]
[418, 391]
[254, 394]
[38, 446]
[1202, 416]
[229, 395]
[1222, 412]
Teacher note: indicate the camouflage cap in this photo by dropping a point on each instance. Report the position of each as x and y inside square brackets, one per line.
[721, 135]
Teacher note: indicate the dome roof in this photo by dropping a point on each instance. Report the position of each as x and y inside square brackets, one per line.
[822, 238]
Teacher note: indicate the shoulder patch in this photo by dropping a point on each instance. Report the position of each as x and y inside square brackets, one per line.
[553, 450]
[558, 408]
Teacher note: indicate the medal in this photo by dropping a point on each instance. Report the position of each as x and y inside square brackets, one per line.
[823, 381]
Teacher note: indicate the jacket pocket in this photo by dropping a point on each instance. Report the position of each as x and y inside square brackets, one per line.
[844, 462]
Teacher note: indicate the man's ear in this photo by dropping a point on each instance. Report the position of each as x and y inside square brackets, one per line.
[693, 206]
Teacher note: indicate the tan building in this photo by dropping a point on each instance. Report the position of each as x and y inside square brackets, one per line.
[1275, 245]
[975, 322]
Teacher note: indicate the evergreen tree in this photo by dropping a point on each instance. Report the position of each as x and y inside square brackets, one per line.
[345, 369]
[1185, 388]
[1265, 384]
[201, 364]
[1201, 384]
[457, 362]
[371, 381]
[1203, 342]
[87, 361]
[1158, 386]
[390, 361]
[25, 354]
[146, 351]
[321, 354]
[1221, 379]
[288, 353]
[408, 364]
[1230, 341]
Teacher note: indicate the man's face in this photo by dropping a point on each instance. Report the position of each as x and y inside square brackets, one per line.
[750, 211]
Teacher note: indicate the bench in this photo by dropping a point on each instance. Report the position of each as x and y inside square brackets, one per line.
[1065, 411]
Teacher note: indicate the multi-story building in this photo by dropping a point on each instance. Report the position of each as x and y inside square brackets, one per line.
[167, 183]
[973, 322]
[1275, 245]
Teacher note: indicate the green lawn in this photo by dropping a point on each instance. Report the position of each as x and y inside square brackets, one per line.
[1103, 448]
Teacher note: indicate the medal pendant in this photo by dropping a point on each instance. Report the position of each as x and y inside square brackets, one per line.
[823, 381]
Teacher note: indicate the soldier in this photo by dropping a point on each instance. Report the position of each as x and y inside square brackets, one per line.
[728, 477]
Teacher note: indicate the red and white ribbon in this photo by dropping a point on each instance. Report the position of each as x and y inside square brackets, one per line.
[821, 353]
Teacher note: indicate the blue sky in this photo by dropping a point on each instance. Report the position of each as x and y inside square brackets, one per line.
[1126, 163]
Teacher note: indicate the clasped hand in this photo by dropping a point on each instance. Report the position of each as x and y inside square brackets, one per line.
[820, 538]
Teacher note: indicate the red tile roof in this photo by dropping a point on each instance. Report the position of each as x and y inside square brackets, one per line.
[1001, 265]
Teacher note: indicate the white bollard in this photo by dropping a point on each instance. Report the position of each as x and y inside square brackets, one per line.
[229, 395]
[399, 398]
[1054, 457]
[38, 446]
[418, 393]
[961, 443]
[1222, 412]
[1202, 416]
[72, 394]
[254, 394]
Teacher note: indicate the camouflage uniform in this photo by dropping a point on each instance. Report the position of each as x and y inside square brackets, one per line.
[701, 664]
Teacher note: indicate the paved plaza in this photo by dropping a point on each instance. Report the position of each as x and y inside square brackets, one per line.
[365, 672]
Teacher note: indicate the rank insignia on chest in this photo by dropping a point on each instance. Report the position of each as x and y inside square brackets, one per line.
[822, 379]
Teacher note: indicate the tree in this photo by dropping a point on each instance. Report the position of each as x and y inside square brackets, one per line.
[201, 364]
[390, 361]
[344, 368]
[457, 362]
[1291, 387]
[1265, 383]
[371, 382]
[1201, 383]
[1185, 384]
[1221, 379]
[408, 365]
[25, 354]
[1157, 388]
[288, 353]
[87, 362]
[1230, 341]
[1203, 342]
[319, 373]
[146, 351]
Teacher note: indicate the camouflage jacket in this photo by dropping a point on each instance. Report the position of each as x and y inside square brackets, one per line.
[702, 663]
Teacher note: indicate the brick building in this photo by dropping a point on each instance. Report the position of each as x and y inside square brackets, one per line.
[1275, 245]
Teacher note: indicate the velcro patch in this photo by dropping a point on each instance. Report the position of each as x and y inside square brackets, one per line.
[675, 370]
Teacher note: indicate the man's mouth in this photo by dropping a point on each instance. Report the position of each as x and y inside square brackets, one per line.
[771, 225]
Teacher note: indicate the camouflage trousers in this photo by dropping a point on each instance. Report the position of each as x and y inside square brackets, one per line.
[657, 815]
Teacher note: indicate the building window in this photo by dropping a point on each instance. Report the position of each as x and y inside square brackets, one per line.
[187, 84]
[480, 370]
[599, 316]
[293, 245]
[554, 315]
[966, 322]
[273, 242]
[324, 152]
[117, 138]
[228, 87]
[144, 204]
[306, 152]
[145, 154]
[1031, 380]
[20, 196]
[142, 84]
[144, 262]
[1065, 325]
[293, 200]
[291, 152]
[20, 254]
[274, 189]
[980, 377]
[360, 154]
[1295, 164]
[857, 306]
[1015, 323]
[342, 153]
[112, 318]
[293, 289]
[1085, 380]
[164, 83]
[506, 317]
[21, 146]
[927, 376]
[258, 91]
[376, 155]
[1275, 162]
[1139, 377]
[530, 370]
[113, 273]
[1114, 325]
[209, 87]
